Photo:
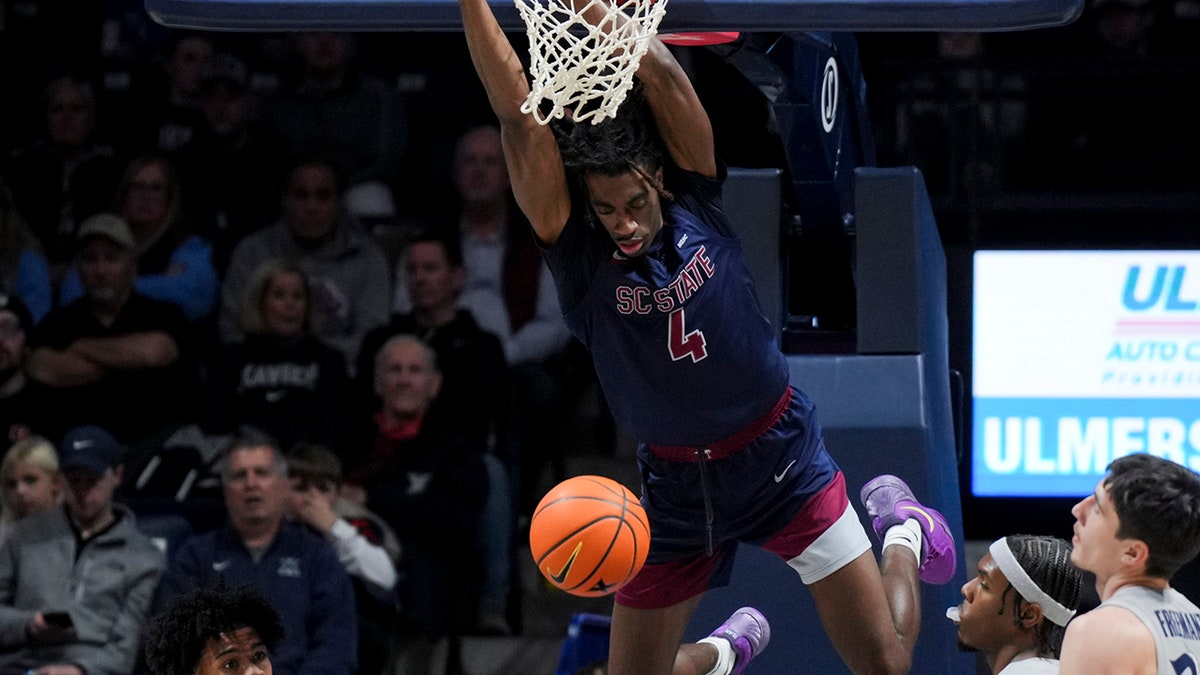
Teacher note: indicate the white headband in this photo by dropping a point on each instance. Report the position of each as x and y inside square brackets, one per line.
[1019, 578]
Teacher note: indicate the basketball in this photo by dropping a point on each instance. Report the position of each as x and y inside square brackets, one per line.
[589, 536]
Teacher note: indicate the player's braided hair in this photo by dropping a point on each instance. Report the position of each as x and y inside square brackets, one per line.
[627, 142]
[1047, 561]
[1158, 502]
[175, 639]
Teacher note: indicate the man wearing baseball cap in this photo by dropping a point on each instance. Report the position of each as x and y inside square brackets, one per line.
[115, 357]
[76, 582]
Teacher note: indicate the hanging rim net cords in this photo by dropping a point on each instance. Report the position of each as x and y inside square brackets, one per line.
[582, 60]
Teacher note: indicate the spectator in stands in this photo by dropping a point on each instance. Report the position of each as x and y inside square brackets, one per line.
[332, 108]
[23, 269]
[232, 170]
[365, 544]
[214, 631]
[297, 569]
[280, 378]
[168, 98]
[428, 481]
[509, 291]
[111, 354]
[470, 359]
[26, 405]
[1124, 29]
[30, 480]
[173, 264]
[65, 177]
[346, 270]
[474, 395]
[76, 582]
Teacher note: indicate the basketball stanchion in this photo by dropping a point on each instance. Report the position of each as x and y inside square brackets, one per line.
[589, 536]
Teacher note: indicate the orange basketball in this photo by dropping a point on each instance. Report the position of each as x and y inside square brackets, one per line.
[589, 535]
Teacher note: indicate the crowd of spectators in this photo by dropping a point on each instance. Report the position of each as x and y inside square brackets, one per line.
[299, 358]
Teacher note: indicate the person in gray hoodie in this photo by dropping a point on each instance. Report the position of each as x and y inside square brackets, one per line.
[76, 582]
[348, 273]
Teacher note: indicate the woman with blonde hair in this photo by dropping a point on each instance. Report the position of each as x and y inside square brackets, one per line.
[29, 476]
[281, 378]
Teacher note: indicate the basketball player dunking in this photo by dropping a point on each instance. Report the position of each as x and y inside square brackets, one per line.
[651, 280]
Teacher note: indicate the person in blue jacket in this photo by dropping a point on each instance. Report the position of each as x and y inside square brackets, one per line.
[297, 569]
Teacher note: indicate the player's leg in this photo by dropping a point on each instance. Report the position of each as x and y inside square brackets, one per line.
[641, 641]
[872, 627]
[875, 632]
[646, 641]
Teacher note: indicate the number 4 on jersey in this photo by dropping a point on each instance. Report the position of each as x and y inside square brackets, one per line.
[682, 343]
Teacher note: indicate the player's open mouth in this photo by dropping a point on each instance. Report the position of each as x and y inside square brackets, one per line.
[630, 246]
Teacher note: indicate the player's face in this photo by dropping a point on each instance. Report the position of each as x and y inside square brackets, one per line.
[239, 652]
[29, 489]
[284, 304]
[985, 614]
[256, 491]
[1096, 547]
[433, 282]
[629, 208]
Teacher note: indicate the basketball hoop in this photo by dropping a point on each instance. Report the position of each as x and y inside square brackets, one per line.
[585, 67]
[699, 39]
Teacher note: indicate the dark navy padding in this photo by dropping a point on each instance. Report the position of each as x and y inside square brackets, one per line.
[681, 15]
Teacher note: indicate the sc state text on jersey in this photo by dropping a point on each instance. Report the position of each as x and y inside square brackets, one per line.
[644, 299]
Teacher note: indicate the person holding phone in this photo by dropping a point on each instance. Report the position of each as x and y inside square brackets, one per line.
[76, 581]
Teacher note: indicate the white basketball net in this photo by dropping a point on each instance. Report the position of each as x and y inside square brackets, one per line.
[574, 62]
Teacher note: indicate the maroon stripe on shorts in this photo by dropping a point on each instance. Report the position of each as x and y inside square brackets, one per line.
[668, 584]
[727, 446]
[818, 514]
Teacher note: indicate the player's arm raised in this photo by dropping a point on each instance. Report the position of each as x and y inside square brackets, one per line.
[682, 122]
[538, 179]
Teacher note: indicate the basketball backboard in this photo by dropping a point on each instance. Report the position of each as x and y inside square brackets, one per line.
[681, 15]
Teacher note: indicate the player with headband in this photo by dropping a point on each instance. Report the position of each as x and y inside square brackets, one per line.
[1015, 610]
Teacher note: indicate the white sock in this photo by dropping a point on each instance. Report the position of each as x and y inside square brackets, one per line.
[906, 534]
[725, 655]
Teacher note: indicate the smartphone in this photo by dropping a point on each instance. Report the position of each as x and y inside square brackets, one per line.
[58, 619]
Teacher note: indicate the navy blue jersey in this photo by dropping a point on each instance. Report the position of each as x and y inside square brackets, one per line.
[681, 347]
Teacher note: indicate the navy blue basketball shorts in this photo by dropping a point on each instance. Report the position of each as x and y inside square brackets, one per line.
[774, 486]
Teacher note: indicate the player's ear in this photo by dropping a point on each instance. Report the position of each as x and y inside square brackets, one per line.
[1135, 553]
[1031, 614]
